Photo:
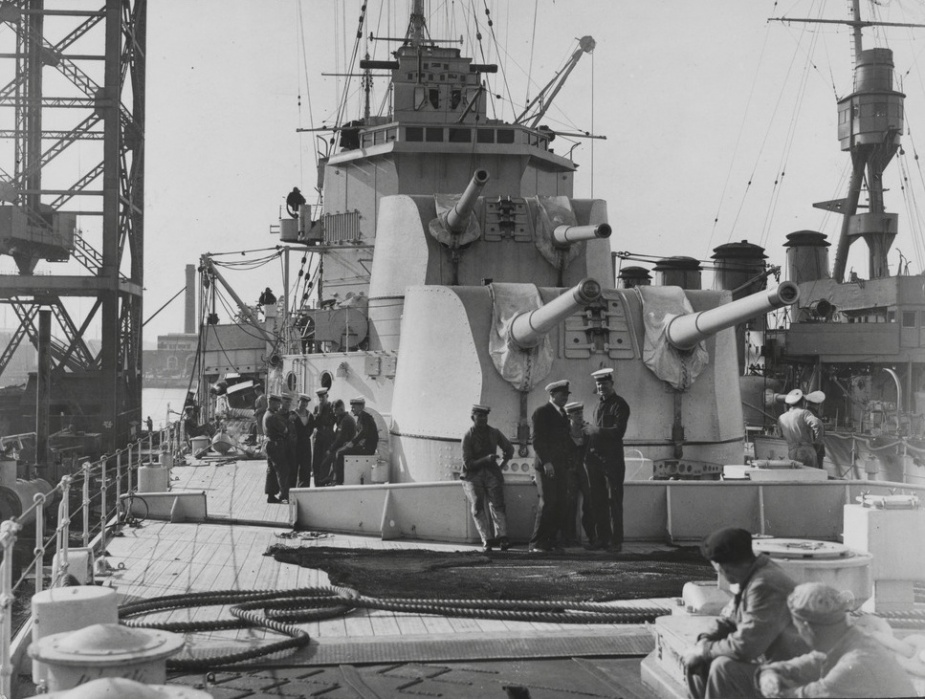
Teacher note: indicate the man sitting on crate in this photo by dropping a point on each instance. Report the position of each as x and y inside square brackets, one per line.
[364, 442]
[754, 627]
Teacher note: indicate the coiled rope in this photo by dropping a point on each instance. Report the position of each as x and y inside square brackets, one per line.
[283, 608]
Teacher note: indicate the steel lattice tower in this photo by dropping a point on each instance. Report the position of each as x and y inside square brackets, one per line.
[72, 191]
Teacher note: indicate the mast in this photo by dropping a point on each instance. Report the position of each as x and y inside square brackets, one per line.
[870, 123]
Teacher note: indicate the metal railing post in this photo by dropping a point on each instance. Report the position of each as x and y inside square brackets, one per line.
[64, 529]
[128, 468]
[8, 530]
[39, 562]
[118, 481]
[104, 515]
[85, 506]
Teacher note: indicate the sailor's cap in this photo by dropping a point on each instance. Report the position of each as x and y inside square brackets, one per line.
[321, 391]
[481, 409]
[815, 397]
[557, 386]
[603, 375]
[304, 396]
[287, 397]
[574, 407]
[359, 400]
[794, 397]
[275, 396]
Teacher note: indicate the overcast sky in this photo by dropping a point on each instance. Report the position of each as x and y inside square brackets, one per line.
[695, 100]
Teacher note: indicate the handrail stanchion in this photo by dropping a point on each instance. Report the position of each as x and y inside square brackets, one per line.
[39, 562]
[85, 506]
[128, 468]
[64, 529]
[8, 531]
[118, 481]
[103, 513]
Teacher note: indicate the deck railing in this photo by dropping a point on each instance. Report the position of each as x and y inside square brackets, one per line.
[95, 481]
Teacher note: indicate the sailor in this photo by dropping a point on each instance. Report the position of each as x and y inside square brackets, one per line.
[577, 435]
[324, 436]
[845, 661]
[293, 201]
[190, 423]
[260, 408]
[552, 445]
[814, 402]
[801, 429]
[482, 478]
[276, 429]
[343, 434]
[605, 464]
[754, 627]
[301, 426]
[366, 439]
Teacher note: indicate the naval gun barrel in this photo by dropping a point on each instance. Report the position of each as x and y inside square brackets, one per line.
[684, 332]
[457, 218]
[529, 328]
[565, 236]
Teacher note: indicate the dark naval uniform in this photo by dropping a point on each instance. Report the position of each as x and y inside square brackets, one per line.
[553, 445]
[276, 429]
[607, 468]
[301, 427]
[324, 438]
[346, 431]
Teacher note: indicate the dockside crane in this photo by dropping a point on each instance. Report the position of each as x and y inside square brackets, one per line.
[73, 73]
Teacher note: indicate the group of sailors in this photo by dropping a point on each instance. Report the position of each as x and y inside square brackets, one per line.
[307, 447]
[779, 639]
[572, 458]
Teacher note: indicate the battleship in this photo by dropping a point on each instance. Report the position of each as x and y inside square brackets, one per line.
[455, 266]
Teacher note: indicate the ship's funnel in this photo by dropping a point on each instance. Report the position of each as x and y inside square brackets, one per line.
[566, 236]
[685, 331]
[528, 329]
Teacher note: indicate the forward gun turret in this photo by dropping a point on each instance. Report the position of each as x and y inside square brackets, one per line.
[685, 331]
[528, 329]
[566, 236]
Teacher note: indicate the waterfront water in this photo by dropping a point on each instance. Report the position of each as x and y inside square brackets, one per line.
[155, 402]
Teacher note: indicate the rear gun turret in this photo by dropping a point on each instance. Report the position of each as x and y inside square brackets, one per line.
[685, 331]
[566, 236]
[528, 329]
[457, 218]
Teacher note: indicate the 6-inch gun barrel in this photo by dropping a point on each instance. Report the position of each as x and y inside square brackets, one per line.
[564, 236]
[528, 329]
[684, 332]
[457, 218]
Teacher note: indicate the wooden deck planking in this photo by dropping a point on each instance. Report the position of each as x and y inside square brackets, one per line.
[163, 558]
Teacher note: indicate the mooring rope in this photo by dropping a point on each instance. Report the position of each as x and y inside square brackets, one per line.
[282, 608]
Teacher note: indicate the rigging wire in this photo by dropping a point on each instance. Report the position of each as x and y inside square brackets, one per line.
[788, 141]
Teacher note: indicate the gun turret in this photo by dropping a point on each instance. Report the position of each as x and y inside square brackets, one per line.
[566, 236]
[457, 218]
[528, 329]
[684, 332]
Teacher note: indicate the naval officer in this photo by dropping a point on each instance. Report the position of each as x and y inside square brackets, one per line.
[552, 445]
[276, 429]
[604, 462]
[482, 478]
[324, 436]
[301, 426]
